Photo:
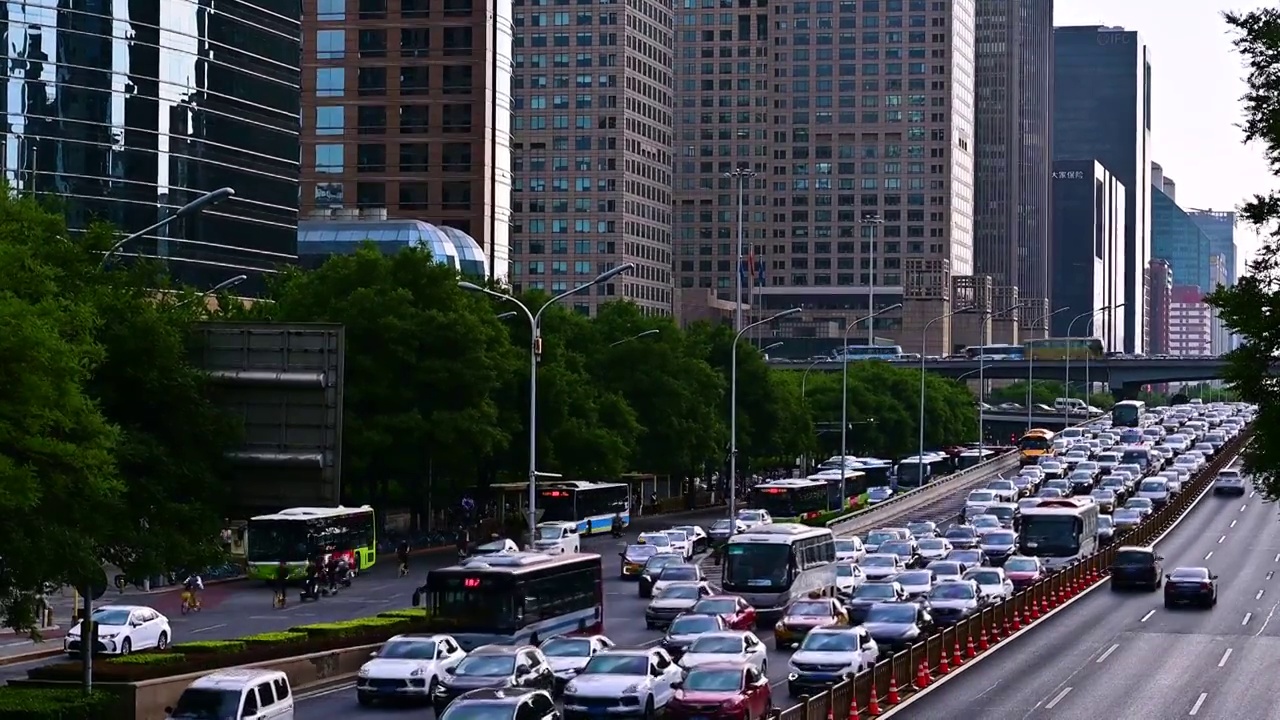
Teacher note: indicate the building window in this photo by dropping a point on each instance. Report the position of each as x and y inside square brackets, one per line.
[415, 42]
[373, 10]
[414, 119]
[329, 158]
[330, 44]
[371, 158]
[414, 157]
[457, 118]
[455, 195]
[457, 80]
[371, 119]
[330, 82]
[410, 9]
[331, 9]
[413, 195]
[415, 80]
[329, 120]
[371, 195]
[456, 157]
[457, 8]
[372, 81]
[457, 41]
[373, 43]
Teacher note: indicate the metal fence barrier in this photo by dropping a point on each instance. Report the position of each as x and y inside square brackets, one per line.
[907, 671]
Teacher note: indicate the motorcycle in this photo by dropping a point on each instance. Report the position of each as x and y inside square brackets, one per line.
[311, 590]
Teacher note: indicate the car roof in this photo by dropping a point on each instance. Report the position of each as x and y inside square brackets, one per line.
[235, 678]
[1136, 548]
[503, 696]
[499, 649]
[130, 608]
[633, 652]
[418, 637]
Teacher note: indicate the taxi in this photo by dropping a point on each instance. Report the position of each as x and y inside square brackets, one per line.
[804, 615]
[634, 558]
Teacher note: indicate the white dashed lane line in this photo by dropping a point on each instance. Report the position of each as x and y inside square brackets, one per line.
[1225, 656]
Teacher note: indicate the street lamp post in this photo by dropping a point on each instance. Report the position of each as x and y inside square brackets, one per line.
[982, 373]
[535, 351]
[873, 220]
[1031, 360]
[225, 284]
[804, 379]
[209, 199]
[742, 175]
[733, 411]
[924, 341]
[844, 382]
[1066, 373]
[637, 336]
[1088, 356]
[771, 346]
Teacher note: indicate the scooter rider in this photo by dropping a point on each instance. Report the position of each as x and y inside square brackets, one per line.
[282, 580]
[616, 530]
[332, 572]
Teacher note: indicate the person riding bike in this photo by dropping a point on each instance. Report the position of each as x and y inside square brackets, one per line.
[402, 552]
[282, 581]
[616, 530]
[192, 587]
[332, 572]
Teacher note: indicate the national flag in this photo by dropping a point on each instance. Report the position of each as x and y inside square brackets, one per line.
[751, 259]
[760, 271]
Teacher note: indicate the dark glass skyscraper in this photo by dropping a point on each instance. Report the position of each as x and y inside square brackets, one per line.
[1088, 251]
[1176, 238]
[1102, 111]
[1012, 119]
[128, 110]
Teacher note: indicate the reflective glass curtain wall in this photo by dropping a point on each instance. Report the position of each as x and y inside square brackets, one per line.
[126, 111]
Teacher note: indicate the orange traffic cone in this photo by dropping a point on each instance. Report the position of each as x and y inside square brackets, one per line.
[853, 706]
[922, 674]
[969, 651]
[1017, 621]
[982, 640]
[873, 707]
[995, 632]
[1044, 604]
[894, 698]
[1008, 626]
[956, 658]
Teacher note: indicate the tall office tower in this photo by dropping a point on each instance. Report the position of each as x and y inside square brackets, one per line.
[856, 118]
[1088, 251]
[1220, 226]
[593, 149]
[1159, 296]
[128, 126]
[1102, 111]
[1013, 80]
[1177, 238]
[1190, 322]
[407, 115]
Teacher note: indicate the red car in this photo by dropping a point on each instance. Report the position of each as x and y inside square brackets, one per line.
[736, 612]
[1023, 571]
[722, 691]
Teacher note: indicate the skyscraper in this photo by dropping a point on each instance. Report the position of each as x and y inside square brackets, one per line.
[1177, 238]
[407, 115]
[1102, 111]
[1013, 79]
[1088, 251]
[1220, 226]
[856, 117]
[1159, 298]
[593, 149]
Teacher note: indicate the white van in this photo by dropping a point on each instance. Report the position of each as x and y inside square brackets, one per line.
[556, 538]
[1069, 405]
[243, 694]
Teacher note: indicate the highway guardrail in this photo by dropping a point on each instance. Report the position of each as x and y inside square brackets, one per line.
[880, 687]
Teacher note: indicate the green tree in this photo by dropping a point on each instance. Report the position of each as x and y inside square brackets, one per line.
[1252, 307]
[1043, 392]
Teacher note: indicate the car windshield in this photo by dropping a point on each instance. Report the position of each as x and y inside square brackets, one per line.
[875, 537]
[1103, 494]
[657, 562]
[111, 616]
[879, 561]
[809, 608]
[473, 710]
[657, 539]
[933, 544]
[1138, 503]
[897, 614]
[641, 552]
[830, 642]
[875, 591]
[750, 516]
[844, 570]
[549, 533]
[718, 606]
[1104, 522]
[409, 649]
[717, 680]
[207, 704]
[566, 647]
[1189, 574]
[961, 533]
[487, 665]
[1126, 514]
[1152, 486]
[1021, 565]
[966, 556]
[952, 591]
[720, 525]
[677, 536]
[896, 547]
[917, 577]
[945, 568]
[696, 625]
[984, 577]
[717, 644]
[978, 496]
[637, 665]
[986, 521]
[680, 592]
[679, 573]
[998, 538]
[845, 546]
[1050, 493]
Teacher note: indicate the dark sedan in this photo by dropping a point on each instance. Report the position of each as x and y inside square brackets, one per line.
[962, 537]
[1191, 586]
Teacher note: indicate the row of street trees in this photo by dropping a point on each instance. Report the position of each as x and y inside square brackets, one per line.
[437, 388]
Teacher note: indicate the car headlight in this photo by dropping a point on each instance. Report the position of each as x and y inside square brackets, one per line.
[109, 636]
[364, 672]
[571, 688]
[779, 627]
[418, 672]
[632, 689]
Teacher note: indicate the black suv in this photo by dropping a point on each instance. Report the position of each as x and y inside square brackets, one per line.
[504, 703]
[495, 667]
[1137, 566]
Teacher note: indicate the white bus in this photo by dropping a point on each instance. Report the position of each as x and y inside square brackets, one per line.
[591, 505]
[1059, 531]
[1128, 413]
[771, 565]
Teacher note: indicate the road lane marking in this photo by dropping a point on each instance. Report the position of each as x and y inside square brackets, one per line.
[1259, 595]
[207, 629]
[1206, 557]
[1268, 620]
[1242, 507]
[1252, 493]
[1224, 537]
[1147, 616]
[1199, 701]
[321, 693]
[1225, 655]
[1057, 698]
[1233, 523]
[1247, 618]
[1270, 575]
[1107, 654]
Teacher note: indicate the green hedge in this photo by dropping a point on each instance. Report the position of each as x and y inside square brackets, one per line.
[209, 646]
[50, 704]
[153, 659]
[274, 638]
[411, 614]
[346, 628]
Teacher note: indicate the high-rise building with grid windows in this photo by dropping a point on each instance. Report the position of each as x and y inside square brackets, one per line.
[856, 117]
[592, 149]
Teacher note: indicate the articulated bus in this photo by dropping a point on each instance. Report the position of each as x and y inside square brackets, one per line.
[801, 497]
[1034, 444]
[1076, 348]
[1059, 531]
[299, 535]
[994, 352]
[771, 565]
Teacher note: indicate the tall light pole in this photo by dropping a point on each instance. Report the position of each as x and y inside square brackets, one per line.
[733, 411]
[804, 378]
[844, 383]
[637, 336]
[225, 284]
[742, 175]
[982, 372]
[1066, 373]
[1088, 356]
[1031, 359]
[208, 199]
[873, 220]
[924, 342]
[771, 346]
[535, 351]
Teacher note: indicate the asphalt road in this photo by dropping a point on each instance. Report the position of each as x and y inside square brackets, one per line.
[1123, 655]
[624, 613]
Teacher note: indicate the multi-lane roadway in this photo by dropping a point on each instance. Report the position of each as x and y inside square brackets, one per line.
[1122, 654]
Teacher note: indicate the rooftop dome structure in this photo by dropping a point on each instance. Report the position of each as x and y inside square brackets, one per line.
[320, 239]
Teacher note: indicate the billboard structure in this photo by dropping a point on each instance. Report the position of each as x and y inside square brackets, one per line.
[284, 381]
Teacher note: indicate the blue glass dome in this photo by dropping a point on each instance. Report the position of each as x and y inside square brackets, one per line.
[320, 239]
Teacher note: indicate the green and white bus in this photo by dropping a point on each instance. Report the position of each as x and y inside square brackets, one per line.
[299, 535]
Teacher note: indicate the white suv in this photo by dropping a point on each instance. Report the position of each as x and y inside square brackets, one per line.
[1229, 482]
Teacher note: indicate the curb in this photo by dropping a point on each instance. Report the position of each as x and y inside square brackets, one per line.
[30, 656]
[939, 682]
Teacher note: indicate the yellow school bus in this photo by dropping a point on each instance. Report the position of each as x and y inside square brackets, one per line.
[1035, 444]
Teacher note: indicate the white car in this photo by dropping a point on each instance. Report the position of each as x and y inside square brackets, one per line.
[698, 537]
[557, 538]
[680, 542]
[737, 646]
[660, 540]
[850, 549]
[407, 666]
[677, 574]
[991, 581]
[123, 629]
[849, 577]
[934, 548]
[1191, 460]
[986, 523]
[882, 566]
[569, 654]
[621, 679]
[826, 651]
[1229, 482]
[1005, 490]
[754, 518]
[493, 547]
[946, 571]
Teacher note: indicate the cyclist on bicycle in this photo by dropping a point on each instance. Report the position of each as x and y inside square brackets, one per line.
[193, 585]
[402, 552]
[282, 581]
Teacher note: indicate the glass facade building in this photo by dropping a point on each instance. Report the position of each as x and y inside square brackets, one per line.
[127, 111]
[319, 239]
[1089, 256]
[1176, 238]
[1102, 111]
[1220, 226]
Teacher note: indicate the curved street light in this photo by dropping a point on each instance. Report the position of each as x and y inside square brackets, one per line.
[208, 199]
[844, 379]
[637, 336]
[1031, 359]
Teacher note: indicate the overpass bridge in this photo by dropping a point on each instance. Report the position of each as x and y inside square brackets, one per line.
[1124, 376]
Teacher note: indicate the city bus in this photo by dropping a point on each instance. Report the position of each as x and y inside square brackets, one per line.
[518, 598]
[299, 535]
[771, 565]
[802, 497]
[1034, 444]
[1128, 413]
[916, 470]
[1059, 531]
[994, 352]
[868, 352]
[591, 505]
[1076, 348]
